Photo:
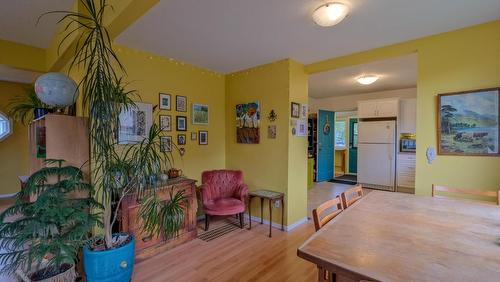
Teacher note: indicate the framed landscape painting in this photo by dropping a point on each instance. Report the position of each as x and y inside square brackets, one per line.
[200, 114]
[468, 123]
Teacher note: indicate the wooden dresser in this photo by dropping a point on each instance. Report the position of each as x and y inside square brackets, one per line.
[147, 246]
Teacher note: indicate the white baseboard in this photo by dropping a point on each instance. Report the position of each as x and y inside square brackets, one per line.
[256, 219]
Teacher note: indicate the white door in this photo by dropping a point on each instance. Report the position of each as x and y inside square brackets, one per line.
[376, 131]
[376, 164]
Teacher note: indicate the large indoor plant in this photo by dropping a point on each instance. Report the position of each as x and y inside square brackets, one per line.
[24, 108]
[116, 171]
[41, 239]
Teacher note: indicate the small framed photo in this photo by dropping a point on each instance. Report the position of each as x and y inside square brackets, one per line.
[165, 101]
[165, 122]
[181, 139]
[181, 103]
[200, 114]
[194, 136]
[295, 109]
[181, 123]
[166, 143]
[304, 110]
[203, 137]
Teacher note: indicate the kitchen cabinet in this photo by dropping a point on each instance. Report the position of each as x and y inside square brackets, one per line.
[378, 108]
[406, 170]
[408, 116]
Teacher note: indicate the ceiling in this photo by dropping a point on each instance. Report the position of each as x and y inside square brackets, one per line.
[394, 73]
[231, 35]
[18, 20]
[16, 75]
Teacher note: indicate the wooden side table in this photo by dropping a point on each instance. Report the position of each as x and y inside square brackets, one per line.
[272, 197]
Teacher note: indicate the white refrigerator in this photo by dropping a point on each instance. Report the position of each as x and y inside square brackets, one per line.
[377, 154]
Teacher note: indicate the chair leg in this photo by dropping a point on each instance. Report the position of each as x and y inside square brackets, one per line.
[242, 220]
[207, 219]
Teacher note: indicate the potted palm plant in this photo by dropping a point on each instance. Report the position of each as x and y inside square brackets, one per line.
[116, 171]
[40, 240]
[24, 108]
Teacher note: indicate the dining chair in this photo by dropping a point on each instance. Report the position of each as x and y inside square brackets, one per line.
[335, 204]
[438, 188]
[351, 195]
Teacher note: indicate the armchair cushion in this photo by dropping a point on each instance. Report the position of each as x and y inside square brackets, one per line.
[223, 192]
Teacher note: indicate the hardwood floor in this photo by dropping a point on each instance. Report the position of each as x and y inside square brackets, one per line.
[242, 255]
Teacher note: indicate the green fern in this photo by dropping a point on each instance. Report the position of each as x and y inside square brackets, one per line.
[54, 226]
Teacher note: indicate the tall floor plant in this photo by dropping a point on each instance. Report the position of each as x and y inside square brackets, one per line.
[104, 97]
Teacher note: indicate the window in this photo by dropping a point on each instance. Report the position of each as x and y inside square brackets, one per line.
[340, 130]
[5, 126]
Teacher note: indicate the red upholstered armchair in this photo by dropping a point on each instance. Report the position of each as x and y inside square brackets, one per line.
[223, 193]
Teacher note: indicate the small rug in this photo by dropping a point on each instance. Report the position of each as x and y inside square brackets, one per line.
[220, 228]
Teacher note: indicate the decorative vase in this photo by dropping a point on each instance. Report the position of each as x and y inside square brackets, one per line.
[113, 265]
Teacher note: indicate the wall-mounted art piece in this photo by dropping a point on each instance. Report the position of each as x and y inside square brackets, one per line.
[194, 136]
[301, 129]
[181, 123]
[304, 110]
[203, 137]
[248, 123]
[181, 103]
[468, 123]
[165, 101]
[181, 139]
[200, 114]
[165, 122]
[272, 116]
[166, 143]
[271, 131]
[295, 110]
[134, 123]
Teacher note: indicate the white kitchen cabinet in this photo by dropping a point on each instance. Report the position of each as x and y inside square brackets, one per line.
[406, 165]
[408, 116]
[378, 108]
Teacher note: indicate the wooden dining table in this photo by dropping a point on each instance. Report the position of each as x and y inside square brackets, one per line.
[389, 236]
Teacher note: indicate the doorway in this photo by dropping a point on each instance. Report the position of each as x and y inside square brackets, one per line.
[346, 134]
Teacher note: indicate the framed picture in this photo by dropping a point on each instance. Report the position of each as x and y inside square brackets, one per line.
[181, 123]
[165, 101]
[181, 103]
[248, 123]
[301, 128]
[271, 131]
[203, 137]
[295, 109]
[194, 136]
[134, 123]
[181, 139]
[165, 122]
[468, 123]
[200, 114]
[304, 110]
[166, 143]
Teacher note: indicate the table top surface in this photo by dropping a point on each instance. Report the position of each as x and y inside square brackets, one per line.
[390, 236]
[266, 194]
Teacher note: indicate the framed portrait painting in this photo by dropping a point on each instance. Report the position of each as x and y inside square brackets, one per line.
[468, 123]
[181, 139]
[165, 101]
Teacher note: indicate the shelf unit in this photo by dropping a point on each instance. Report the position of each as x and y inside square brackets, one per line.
[312, 140]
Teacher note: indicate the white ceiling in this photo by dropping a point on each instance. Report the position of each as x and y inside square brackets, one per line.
[394, 73]
[16, 75]
[18, 20]
[230, 35]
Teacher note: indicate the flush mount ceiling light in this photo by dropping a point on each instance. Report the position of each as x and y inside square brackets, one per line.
[367, 79]
[330, 14]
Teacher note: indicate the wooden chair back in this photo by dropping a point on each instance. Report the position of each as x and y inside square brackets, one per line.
[351, 195]
[438, 188]
[318, 220]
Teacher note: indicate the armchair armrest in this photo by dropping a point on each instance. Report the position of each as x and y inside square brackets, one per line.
[241, 192]
[207, 193]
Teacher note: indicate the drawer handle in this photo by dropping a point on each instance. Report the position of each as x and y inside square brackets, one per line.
[147, 239]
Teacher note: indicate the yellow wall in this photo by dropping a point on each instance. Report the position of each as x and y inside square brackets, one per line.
[277, 164]
[455, 61]
[150, 75]
[13, 149]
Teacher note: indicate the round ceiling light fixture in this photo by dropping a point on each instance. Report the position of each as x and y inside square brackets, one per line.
[330, 14]
[367, 79]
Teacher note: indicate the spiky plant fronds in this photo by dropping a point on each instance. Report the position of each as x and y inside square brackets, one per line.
[21, 107]
[53, 227]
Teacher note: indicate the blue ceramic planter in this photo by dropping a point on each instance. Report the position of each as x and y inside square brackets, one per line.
[114, 265]
[40, 112]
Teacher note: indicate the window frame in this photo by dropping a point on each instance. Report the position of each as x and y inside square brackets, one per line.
[10, 126]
